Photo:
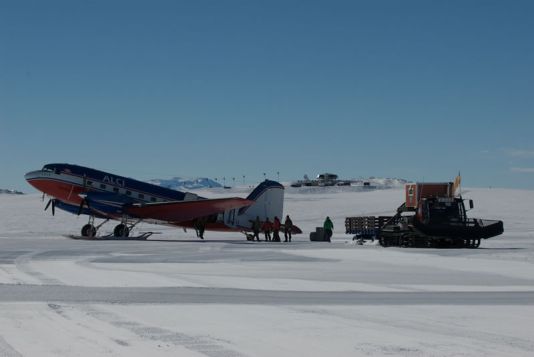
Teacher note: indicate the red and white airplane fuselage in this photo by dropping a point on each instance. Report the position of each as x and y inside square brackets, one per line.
[99, 194]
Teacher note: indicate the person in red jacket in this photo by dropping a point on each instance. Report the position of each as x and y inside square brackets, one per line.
[266, 228]
[276, 229]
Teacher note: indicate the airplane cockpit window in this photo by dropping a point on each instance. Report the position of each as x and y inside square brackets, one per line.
[50, 168]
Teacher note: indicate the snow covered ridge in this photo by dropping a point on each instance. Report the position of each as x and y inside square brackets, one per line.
[11, 192]
[179, 183]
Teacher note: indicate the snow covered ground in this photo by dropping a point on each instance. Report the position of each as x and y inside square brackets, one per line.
[175, 295]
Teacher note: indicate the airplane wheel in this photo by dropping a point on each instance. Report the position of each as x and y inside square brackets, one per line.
[121, 230]
[88, 230]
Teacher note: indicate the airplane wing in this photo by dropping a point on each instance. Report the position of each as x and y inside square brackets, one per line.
[181, 211]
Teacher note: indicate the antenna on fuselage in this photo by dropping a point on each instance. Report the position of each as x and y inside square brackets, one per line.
[83, 196]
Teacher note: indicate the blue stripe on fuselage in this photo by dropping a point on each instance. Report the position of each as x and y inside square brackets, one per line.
[74, 209]
[117, 181]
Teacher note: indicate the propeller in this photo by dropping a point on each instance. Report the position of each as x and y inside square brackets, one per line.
[51, 202]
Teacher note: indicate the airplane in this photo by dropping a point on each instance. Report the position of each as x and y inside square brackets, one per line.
[98, 194]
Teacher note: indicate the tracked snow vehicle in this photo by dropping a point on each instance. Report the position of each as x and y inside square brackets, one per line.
[431, 216]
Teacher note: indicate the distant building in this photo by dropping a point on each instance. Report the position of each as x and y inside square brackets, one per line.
[327, 177]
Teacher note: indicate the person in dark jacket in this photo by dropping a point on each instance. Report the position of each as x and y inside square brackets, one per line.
[276, 229]
[288, 227]
[328, 228]
[267, 227]
[256, 227]
[200, 227]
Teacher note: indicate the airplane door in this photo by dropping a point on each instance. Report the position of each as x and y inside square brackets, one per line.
[231, 218]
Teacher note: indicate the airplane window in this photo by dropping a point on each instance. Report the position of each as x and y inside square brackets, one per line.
[49, 168]
[141, 195]
[89, 183]
[116, 189]
[129, 193]
[102, 186]
[153, 199]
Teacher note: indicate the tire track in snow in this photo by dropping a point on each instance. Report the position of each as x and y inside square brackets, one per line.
[205, 345]
[61, 312]
[23, 264]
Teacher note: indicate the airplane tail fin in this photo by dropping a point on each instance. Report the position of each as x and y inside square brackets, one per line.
[269, 202]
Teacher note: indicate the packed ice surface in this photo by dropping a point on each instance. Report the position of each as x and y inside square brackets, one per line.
[176, 295]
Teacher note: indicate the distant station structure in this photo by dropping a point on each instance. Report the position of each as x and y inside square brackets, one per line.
[326, 179]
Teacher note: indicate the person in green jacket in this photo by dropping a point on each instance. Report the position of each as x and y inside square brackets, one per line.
[328, 228]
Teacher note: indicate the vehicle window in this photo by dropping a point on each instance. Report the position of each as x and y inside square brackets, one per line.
[102, 186]
[116, 189]
[153, 199]
[141, 196]
[128, 193]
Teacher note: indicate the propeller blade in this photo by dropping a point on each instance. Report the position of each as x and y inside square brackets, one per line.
[42, 197]
[51, 202]
[48, 204]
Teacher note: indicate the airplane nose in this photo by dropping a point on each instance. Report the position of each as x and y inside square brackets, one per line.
[33, 178]
[33, 175]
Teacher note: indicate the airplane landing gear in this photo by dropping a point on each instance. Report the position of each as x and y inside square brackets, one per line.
[121, 230]
[88, 230]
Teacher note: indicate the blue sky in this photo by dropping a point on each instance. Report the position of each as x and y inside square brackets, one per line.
[153, 89]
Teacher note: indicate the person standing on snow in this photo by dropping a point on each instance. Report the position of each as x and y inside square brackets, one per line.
[256, 227]
[288, 226]
[276, 229]
[200, 227]
[267, 226]
[328, 228]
